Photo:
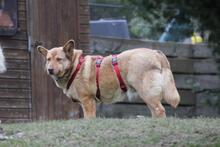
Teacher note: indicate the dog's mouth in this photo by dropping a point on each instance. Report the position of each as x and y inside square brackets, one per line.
[53, 72]
[59, 74]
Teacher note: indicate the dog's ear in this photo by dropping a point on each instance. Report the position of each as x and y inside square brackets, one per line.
[69, 47]
[42, 50]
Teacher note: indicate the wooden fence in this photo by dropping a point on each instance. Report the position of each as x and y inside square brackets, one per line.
[195, 71]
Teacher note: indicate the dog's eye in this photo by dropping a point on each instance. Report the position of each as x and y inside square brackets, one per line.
[48, 59]
[59, 59]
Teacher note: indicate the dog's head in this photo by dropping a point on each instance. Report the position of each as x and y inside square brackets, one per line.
[58, 59]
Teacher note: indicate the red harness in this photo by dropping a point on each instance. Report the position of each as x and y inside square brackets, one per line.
[81, 60]
[117, 72]
[98, 65]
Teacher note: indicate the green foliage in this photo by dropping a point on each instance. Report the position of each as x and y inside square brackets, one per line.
[142, 24]
[141, 28]
[155, 14]
[205, 12]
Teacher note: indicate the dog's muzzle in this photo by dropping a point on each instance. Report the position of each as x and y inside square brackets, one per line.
[51, 71]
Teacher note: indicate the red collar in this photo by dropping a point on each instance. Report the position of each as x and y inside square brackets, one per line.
[81, 60]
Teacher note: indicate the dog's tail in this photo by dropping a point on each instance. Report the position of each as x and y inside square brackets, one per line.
[170, 93]
[2, 61]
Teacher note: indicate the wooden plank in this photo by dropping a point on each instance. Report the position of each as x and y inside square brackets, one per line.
[20, 35]
[21, 18]
[133, 110]
[22, 7]
[194, 66]
[21, 2]
[207, 82]
[84, 10]
[169, 48]
[207, 66]
[197, 82]
[85, 47]
[16, 54]
[15, 103]
[207, 98]
[202, 51]
[15, 93]
[13, 64]
[15, 83]
[84, 28]
[181, 65]
[83, 2]
[14, 113]
[15, 120]
[84, 38]
[22, 25]
[22, 14]
[188, 98]
[84, 19]
[16, 74]
[16, 44]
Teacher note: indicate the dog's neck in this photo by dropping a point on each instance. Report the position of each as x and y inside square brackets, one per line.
[61, 82]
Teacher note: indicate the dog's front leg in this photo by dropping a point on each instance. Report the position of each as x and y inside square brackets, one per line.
[89, 107]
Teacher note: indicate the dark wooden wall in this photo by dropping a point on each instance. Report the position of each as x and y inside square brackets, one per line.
[52, 23]
[15, 88]
[84, 17]
[26, 92]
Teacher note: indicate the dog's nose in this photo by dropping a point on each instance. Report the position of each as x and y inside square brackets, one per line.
[51, 71]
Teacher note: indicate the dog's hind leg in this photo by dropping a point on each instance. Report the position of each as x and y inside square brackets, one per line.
[157, 110]
[149, 88]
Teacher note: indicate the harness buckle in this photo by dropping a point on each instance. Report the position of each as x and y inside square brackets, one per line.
[114, 60]
[98, 61]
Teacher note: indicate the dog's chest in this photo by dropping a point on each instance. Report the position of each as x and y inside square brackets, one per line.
[71, 93]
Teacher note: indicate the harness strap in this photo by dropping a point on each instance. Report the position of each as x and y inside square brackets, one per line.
[117, 71]
[98, 65]
[81, 60]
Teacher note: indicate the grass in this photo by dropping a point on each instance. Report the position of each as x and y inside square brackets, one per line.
[115, 133]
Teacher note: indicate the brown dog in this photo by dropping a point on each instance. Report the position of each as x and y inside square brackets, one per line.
[145, 72]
